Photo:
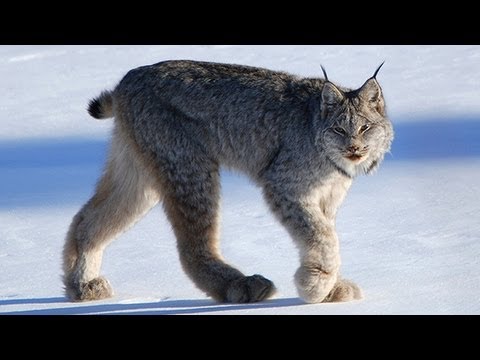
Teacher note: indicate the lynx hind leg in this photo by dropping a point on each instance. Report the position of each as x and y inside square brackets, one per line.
[192, 205]
[124, 194]
[344, 290]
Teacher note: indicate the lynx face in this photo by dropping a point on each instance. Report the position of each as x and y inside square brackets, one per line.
[357, 133]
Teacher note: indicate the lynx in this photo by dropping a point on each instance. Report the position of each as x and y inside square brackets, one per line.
[302, 140]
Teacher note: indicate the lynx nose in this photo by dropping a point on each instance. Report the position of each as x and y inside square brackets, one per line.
[353, 148]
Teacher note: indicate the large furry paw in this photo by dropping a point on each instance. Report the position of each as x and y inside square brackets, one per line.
[250, 289]
[313, 284]
[344, 290]
[96, 289]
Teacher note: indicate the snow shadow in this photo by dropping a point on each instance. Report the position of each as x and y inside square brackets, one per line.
[49, 171]
[52, 300]
[431, 139]
[165, 307]
[53, 171]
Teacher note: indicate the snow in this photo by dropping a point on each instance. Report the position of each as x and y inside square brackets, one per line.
[409, 234]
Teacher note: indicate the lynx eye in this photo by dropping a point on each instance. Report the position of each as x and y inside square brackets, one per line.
[364, 128]
[339, 130]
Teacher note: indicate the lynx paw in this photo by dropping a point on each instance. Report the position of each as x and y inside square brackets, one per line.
[96, 289]
[250, 289]
[344, 290]
[313, 284]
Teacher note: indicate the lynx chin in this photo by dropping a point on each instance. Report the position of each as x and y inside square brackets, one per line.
[302, 140]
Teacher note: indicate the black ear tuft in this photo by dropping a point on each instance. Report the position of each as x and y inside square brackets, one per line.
[378, 69]
[324, 73]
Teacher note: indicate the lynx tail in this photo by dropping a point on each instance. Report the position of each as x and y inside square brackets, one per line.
[101, 107]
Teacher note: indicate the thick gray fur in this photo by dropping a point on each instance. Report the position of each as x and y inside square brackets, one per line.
[302, 140]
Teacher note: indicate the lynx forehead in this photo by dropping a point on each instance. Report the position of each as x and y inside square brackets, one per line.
[302, 140]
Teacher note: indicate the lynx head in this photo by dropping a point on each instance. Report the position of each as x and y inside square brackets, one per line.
[356, 132]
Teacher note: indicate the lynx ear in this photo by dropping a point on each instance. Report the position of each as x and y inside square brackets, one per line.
[370, 91]
[331, 97]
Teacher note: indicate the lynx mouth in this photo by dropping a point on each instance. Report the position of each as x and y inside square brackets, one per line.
[355, 157]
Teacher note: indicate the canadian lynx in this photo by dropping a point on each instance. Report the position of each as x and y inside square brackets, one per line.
[302, 140]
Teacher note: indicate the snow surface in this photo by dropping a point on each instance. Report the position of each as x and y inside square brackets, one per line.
[409, 234]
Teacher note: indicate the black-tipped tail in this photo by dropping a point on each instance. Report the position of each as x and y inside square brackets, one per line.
[102, 106]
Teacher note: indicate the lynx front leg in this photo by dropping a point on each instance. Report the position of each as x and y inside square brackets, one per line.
[192, 205]
[313, 230]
